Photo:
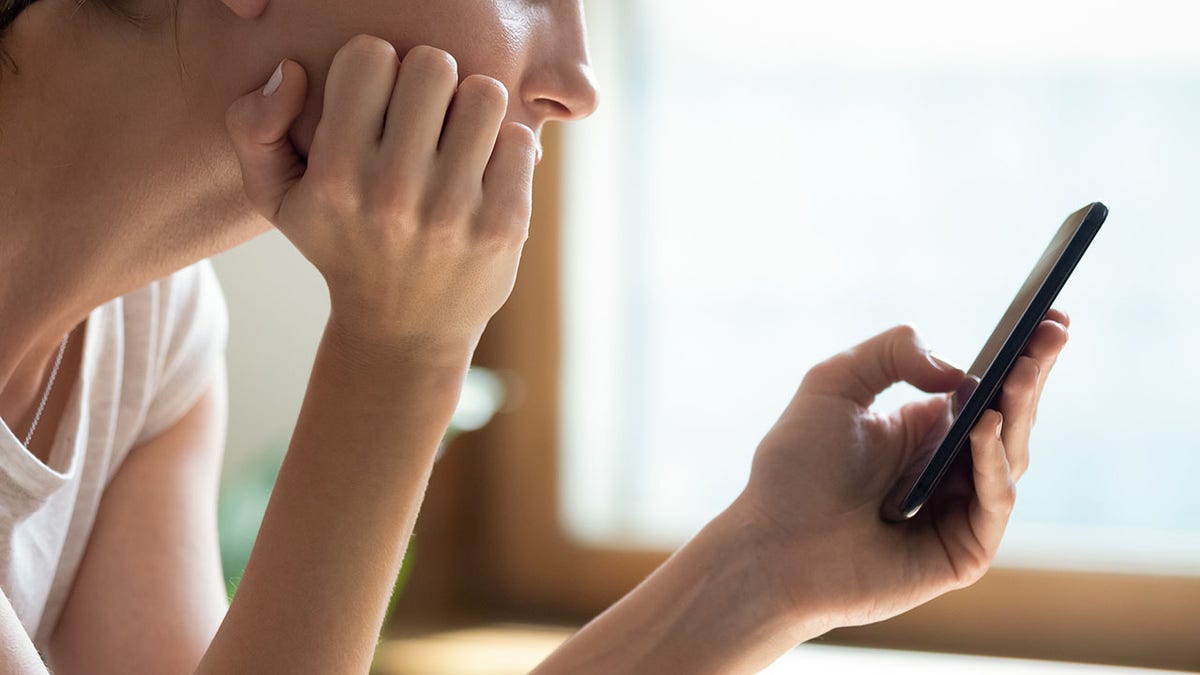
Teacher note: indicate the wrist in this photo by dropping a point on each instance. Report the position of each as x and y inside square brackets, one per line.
[787, 587]
[708, 609]
[361, 343]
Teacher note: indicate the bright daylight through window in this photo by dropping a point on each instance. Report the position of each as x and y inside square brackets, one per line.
[766, 187]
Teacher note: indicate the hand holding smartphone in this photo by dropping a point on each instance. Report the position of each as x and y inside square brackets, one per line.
[987, 373]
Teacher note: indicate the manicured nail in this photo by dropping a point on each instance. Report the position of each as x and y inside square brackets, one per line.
[999, 424]
[275, 81]
[942, 364]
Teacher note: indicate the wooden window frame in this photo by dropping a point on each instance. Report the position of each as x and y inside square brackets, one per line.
[500, 486]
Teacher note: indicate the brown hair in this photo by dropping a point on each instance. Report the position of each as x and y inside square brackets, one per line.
[9, 9]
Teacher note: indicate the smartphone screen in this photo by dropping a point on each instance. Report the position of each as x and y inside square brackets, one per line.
[997, 357]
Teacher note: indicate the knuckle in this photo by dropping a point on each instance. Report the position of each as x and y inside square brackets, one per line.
[333, 195]
[522, 215]
[237, 120]
[432, 62]
[907, 334]
[984, 432]
[520, 234]
[1015, 388]
[1026, 374]
[1035, 369]
[368, 46]
[513, 230]
[974, 570]
[1019, 467]
[504, 227]
[824, 371]
[499, 241]
[1008, 498]
[982, 437]
[328, 161]
[519, 135]
[487, 92]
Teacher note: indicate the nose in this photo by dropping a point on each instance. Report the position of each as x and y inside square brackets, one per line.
[560, 84]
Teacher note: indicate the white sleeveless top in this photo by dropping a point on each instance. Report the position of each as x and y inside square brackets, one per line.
[147, 358]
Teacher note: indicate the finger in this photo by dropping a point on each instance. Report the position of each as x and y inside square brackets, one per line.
[470, 134]
[357, 90]
[508, 182]
[1044, 347]
[1059, 316]
[995, 492]
[258, 125]
[1018, 401]
[897, 355]
[922, 423]
[911, 434]
[426, 84]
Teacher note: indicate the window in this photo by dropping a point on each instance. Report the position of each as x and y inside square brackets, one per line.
[778, 182]
[770, 182]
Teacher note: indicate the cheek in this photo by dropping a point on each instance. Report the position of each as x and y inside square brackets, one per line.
[486, 37]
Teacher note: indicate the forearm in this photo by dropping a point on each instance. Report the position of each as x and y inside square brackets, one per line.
[318, 581]
[706, 610]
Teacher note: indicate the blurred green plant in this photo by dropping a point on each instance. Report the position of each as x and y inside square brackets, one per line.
[244, 494]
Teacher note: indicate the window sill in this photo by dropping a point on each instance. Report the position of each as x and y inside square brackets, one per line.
[508, 649]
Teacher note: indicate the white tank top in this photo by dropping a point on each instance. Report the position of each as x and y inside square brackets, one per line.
[147, 358]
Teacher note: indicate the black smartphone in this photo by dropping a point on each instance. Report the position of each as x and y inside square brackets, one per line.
[978, 391]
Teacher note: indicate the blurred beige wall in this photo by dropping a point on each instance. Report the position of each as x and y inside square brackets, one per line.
[277, 310]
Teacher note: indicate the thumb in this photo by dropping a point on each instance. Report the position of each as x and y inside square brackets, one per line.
[923, 424]
[258, 125]
[914, 433]
[864, 371]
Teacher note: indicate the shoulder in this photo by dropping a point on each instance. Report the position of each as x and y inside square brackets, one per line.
[184, 321]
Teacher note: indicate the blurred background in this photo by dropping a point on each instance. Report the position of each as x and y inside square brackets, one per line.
[763, 186]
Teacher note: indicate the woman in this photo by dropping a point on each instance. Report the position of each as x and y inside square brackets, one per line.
[139, 137]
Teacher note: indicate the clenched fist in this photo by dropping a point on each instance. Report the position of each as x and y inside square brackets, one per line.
[415, 199]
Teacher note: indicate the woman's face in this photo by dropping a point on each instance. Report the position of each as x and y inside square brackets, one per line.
[537, 48]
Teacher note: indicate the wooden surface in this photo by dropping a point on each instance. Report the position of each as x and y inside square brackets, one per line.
[487, 650]
[516, 649]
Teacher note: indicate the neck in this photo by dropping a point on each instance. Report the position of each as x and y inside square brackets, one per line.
[114, 171]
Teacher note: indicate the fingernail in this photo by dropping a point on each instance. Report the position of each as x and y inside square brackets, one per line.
[999, 424]
[275, 81]
[942, 364]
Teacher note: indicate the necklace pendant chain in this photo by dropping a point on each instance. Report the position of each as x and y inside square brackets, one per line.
[49, 385]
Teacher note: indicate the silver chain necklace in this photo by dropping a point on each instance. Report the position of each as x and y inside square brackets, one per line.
[46, 394]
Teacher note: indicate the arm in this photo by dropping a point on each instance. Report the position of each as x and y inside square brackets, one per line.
[317, 584]
[149, 593]
[152, 572]
[802, 550]
[707, 609]
[417, 231]
[415, 212]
